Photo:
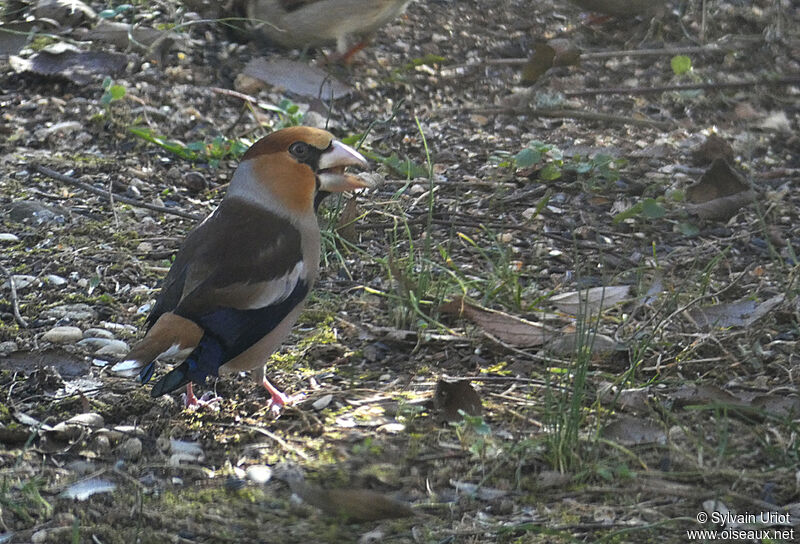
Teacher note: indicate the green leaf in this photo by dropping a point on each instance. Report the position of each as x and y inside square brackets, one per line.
[605, 473]
[405, 167]
[542, 202]
[652, 209]
[550, 172]
[173, 147]
[351, 140]
[117, 92]
[677, 195]
[527, 157]
[689, 230]
[636, 209]
[111, 13]
[681, 64]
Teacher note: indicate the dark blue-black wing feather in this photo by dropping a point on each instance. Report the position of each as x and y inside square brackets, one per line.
[229, 332]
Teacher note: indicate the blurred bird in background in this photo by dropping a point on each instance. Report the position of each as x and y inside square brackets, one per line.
[311, 23]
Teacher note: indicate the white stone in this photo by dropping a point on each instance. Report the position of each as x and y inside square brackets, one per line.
[98, 333]
[55, 280]
[63, 335]
[21, 281]
[259, 474]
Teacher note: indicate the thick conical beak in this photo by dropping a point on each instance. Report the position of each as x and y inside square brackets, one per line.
[332, 177]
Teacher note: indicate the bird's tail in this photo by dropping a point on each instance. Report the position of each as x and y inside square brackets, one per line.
[203, 362]
[169, 335]
[172, 380]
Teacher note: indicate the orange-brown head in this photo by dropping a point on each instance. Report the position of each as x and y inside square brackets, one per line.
[299, 166]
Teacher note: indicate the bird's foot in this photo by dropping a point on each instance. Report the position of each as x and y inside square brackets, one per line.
[279, 400]
[208, 401]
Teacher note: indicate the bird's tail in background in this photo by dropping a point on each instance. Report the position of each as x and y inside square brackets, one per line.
[169, 335]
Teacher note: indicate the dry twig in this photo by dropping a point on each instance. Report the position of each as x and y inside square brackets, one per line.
[104, 194]
[13, 298]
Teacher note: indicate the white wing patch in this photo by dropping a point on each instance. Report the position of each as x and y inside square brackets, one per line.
[131, 367]
[275, 291]
[127, 368]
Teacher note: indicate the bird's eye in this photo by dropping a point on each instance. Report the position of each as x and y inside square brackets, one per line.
[299, 150]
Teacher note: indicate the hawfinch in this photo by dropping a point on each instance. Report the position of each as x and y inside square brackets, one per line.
[242, 276]
[310, 23]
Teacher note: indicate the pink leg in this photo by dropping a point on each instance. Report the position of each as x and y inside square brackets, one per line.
[191, 402]
[347, 58]
[278, 399]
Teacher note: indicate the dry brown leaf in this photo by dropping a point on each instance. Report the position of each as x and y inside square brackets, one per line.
[718, 181]
[123, 34]
[61, 60]
[538, 64]
[297, 78]
[777, 405]
[346, 226]
[720, 193]
[508, 328]
[703, 394]
[742, 313]
[454, 395]
[570, 341]
[591, 301]
[632, 431]
[744, 111]
[632, 400]
[714, 147]
[64, 12]
[722, 208]
[567, 53]
[352, 504]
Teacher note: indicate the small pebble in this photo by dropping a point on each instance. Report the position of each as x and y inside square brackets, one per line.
[80, 467]
[322, 402]
[314, 119]
[194, 181]
[98, 333]
[8, 237]
[89, 419]
[55, 280]
[72, 312]
[376, 535]
[21, 281]
[8, 347]
[63, 335]
[131, 449]
[114, 347]
[259, 474]
[102, 444]
[183, 447]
